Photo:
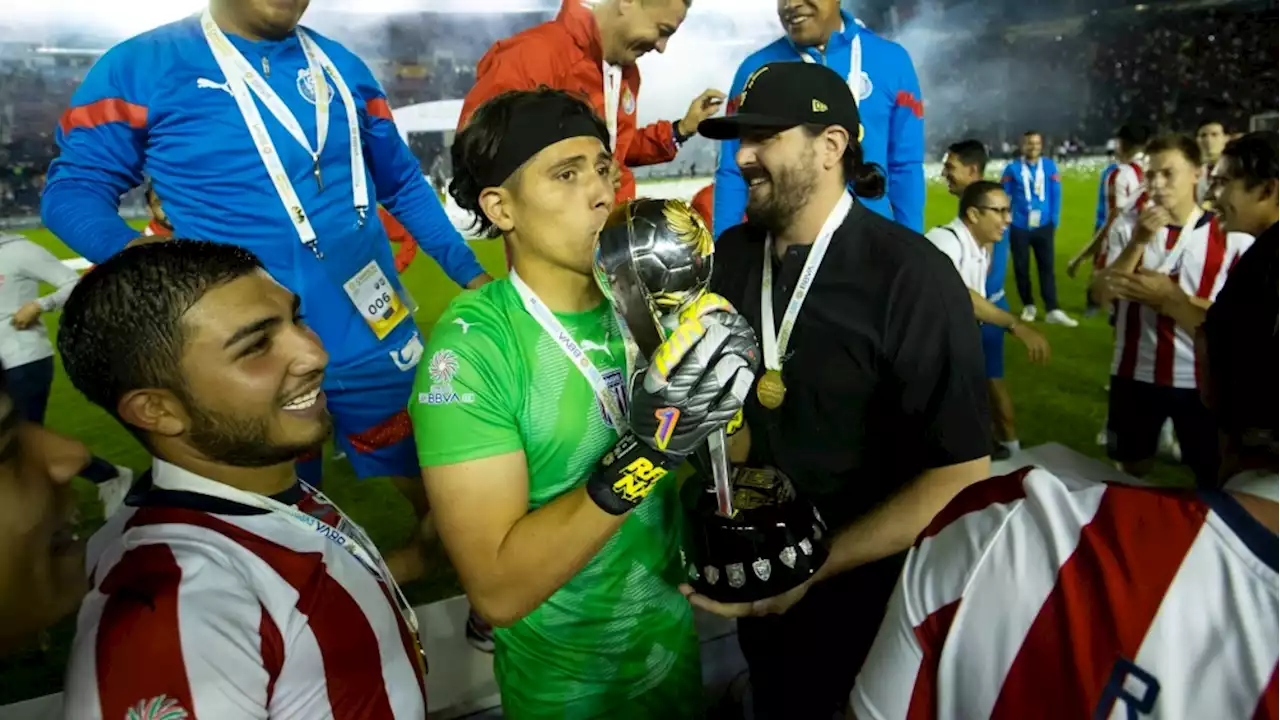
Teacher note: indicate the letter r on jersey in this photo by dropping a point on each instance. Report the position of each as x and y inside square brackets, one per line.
[1131, 685]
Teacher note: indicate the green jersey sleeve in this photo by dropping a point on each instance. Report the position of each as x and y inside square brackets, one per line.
[466, 393]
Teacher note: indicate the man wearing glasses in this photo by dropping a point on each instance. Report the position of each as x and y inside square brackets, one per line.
[968, 240]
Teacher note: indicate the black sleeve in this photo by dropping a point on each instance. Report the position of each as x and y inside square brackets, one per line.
[934, 351]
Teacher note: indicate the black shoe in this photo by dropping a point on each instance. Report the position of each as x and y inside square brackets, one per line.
[1000, 452]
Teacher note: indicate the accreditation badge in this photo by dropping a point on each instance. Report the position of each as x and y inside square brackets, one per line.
[1033, 219]
[376, 299]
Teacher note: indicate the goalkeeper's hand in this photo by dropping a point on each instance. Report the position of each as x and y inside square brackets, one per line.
[697, 380]
[695, 384]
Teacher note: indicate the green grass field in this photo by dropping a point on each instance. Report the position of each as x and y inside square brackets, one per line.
[1063, 402]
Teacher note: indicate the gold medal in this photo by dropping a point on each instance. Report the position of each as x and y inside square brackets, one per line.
[771, 390]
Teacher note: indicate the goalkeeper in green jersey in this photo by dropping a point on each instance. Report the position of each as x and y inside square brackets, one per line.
[539, 452]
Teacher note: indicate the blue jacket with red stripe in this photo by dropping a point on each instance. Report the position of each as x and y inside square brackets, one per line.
[892, 116]
[158, 104]
[1023, 197]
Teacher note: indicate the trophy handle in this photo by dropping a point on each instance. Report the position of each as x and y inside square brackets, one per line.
[717, 445]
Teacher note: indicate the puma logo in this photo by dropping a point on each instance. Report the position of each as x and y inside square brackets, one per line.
[207, 84]
[463, 324]
[593, 345]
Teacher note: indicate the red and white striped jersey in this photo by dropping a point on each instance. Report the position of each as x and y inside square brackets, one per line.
[1126, 196]
[205, 606]
[1032, 596]
[1150, 347]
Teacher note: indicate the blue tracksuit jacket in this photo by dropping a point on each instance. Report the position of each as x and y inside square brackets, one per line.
[1101, 215]
[892, 119]
[157, 104]
[1050, 207]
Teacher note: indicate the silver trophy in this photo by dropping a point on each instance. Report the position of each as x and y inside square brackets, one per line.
[750, 536]
[653, 260]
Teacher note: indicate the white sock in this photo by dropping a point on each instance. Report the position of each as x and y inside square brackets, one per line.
[1012, 446]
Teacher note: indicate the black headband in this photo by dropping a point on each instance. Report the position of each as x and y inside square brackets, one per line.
[535, 130]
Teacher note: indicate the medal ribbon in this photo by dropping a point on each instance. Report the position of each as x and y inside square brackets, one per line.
[854, 79]
[577, 356]
[1039, 180]
[775, 338]
[170, 477]
[1173, 258]
[612, 93]
[243, 81]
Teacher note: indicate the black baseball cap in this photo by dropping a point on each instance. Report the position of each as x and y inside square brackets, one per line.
[782, 95]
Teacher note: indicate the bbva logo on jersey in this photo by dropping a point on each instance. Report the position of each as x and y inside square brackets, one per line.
[616, 382]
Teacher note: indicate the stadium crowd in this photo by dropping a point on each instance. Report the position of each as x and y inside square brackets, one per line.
[835, 381]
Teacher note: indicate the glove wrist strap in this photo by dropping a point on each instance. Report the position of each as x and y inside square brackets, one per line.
[626, 475]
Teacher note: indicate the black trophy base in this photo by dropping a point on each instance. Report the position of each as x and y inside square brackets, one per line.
[773, 543]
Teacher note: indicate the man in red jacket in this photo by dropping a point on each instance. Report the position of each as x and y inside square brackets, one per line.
[591, 49]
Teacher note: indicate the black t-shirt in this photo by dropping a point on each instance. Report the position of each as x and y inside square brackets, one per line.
[884, 368]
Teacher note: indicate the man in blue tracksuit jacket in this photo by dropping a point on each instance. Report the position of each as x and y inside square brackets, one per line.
[1100, 217]
[1035, 190]
[160, 103]
[889, 104]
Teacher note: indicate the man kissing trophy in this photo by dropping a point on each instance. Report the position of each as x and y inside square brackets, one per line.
[749, 537]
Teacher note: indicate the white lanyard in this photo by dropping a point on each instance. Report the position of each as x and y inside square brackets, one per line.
[243, 79]
[1264, 484]
[1039, 182]
[170, 477]
[855, 64]
[1173, 257]
[775, 338]
[612, 94]
[555, 330]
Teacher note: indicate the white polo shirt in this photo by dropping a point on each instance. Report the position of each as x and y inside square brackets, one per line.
[972, 261]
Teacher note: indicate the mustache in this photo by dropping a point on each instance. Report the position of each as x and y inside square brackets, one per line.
[791, 12]
[753, 172]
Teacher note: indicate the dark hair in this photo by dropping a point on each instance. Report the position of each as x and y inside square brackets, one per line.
[1253, 157]
[121, 329]
[866, 179]
[970, 152]
[1243, 350]
[1029, 133]
[976, 193]
[1212, 121]
[1132, 136]
[475, 147]
[1176, 141]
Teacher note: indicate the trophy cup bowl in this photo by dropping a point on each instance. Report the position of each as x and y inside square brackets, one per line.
[653, 259]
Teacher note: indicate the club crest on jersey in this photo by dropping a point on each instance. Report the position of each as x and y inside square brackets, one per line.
[442, 366]
[307, 86]
[628, 101]
[864, 89]
[157, 708]
[617, 385]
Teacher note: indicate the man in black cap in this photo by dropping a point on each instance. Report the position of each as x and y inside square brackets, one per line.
[873, 399]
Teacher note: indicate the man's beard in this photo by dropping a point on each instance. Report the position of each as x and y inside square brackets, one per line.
[241, 441]
[789, 191]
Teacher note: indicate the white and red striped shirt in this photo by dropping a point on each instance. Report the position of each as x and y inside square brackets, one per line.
[1031, 596]
[1150, 347]
[225, 611]
[1126, 197]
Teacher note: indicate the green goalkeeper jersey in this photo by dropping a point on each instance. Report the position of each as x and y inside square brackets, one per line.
[617, 640]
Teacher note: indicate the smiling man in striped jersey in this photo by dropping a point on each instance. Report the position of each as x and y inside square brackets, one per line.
[225, 587]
